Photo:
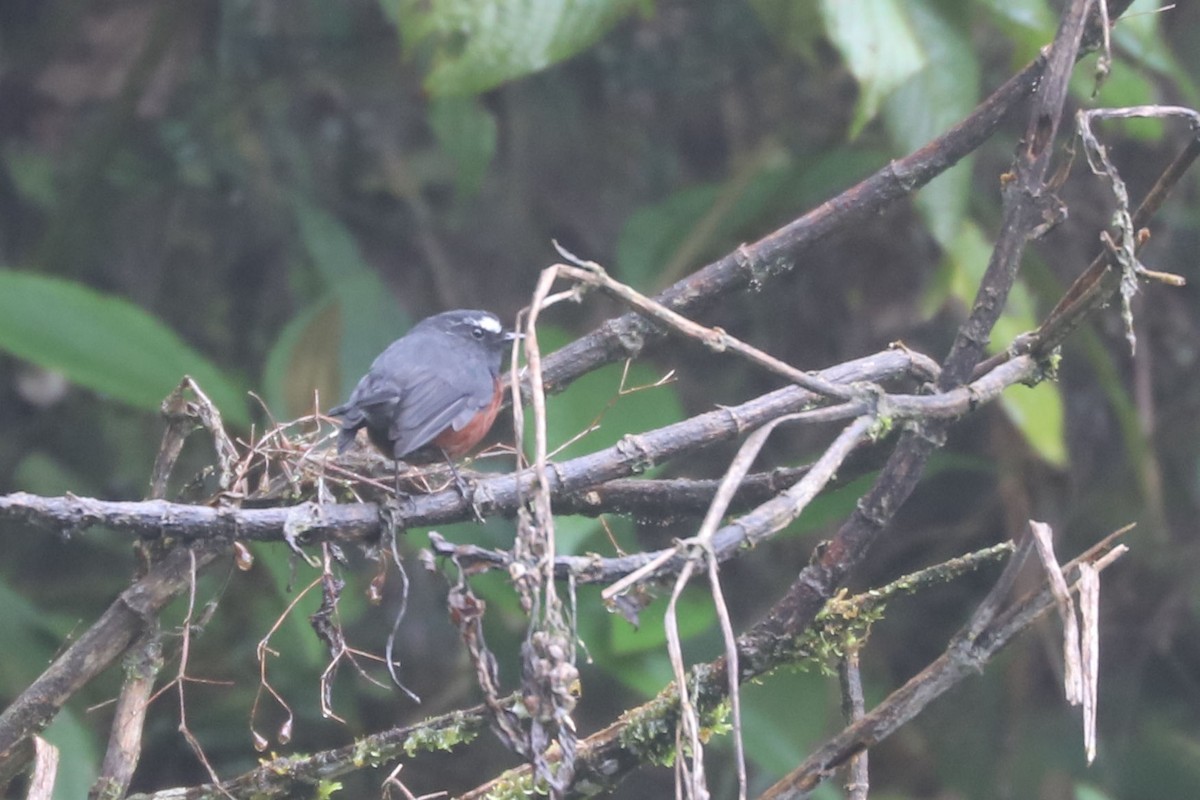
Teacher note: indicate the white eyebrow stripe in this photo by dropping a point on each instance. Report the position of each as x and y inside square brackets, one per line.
[488, 324]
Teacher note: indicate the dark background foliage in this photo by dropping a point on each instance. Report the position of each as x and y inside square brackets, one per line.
[263, 193]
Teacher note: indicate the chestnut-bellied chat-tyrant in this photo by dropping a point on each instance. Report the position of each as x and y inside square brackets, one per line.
[436, 390]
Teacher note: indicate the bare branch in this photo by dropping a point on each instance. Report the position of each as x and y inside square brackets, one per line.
[101, 644]
[853, 708]
[642, 734]
[965, 656]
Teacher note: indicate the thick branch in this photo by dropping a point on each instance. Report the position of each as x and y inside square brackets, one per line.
[299, 775]
[309, 522]
[646, 734]
[967, 654]
[1027, 201]
[778, 253]
[1095, 287]
[104, 641]
[819, 580]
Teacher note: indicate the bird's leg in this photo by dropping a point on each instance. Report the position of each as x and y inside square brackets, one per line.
[459, 482]
[464, 488]
[401, 496]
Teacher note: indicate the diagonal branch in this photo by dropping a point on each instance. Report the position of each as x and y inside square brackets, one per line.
[968, 652]
[1023, 202]
[644, 735]
[311, 522]
[779, 252]
[107, 638]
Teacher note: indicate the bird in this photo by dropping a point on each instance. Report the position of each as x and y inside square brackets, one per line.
[434, 391]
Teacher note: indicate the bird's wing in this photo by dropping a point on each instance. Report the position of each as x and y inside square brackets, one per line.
[430, 405]
[370, 403]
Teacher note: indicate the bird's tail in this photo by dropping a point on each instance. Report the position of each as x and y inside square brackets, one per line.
[351, 422]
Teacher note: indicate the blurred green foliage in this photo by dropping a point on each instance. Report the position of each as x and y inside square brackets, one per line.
[263, 193]
[104, 343]
[480, 45]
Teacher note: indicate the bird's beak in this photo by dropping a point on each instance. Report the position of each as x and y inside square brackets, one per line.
[512, 335]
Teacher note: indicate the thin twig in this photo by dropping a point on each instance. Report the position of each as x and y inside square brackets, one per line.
[853, 709]
[780, 252]
[716, 339]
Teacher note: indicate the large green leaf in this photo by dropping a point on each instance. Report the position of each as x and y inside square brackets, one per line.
[878, 44]
[922, 73]
[78, 760]
[32, 174]
[653, 233]
[783, 715]
[26, 634]
[1162, 760]
[303, 362]
[1085, 792]
[926, 105]
[662, 241]
[105, 343]
[480, 44]
[665, 240]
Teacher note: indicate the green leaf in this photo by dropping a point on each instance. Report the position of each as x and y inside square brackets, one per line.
[878, 44]
[663, 241]
[41, 473]
[105, 343]
[466, 131]
[654, 232]
[371, 317]
[784, 715]
[1029, 24]
[480, 44]
[78, 758]
[928, 104]
[1162, 761]
[645, 673]
[573, 532]
[285, 577]
[1086, 792]
[796, 26]
[1033, 15]
[26, 637]
[304, 360]
[1037, 412]
[33, 176]
[694, 612]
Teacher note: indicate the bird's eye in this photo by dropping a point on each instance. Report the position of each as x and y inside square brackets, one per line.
[477, 332]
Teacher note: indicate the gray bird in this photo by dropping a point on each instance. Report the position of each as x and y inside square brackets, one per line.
[436, 390]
